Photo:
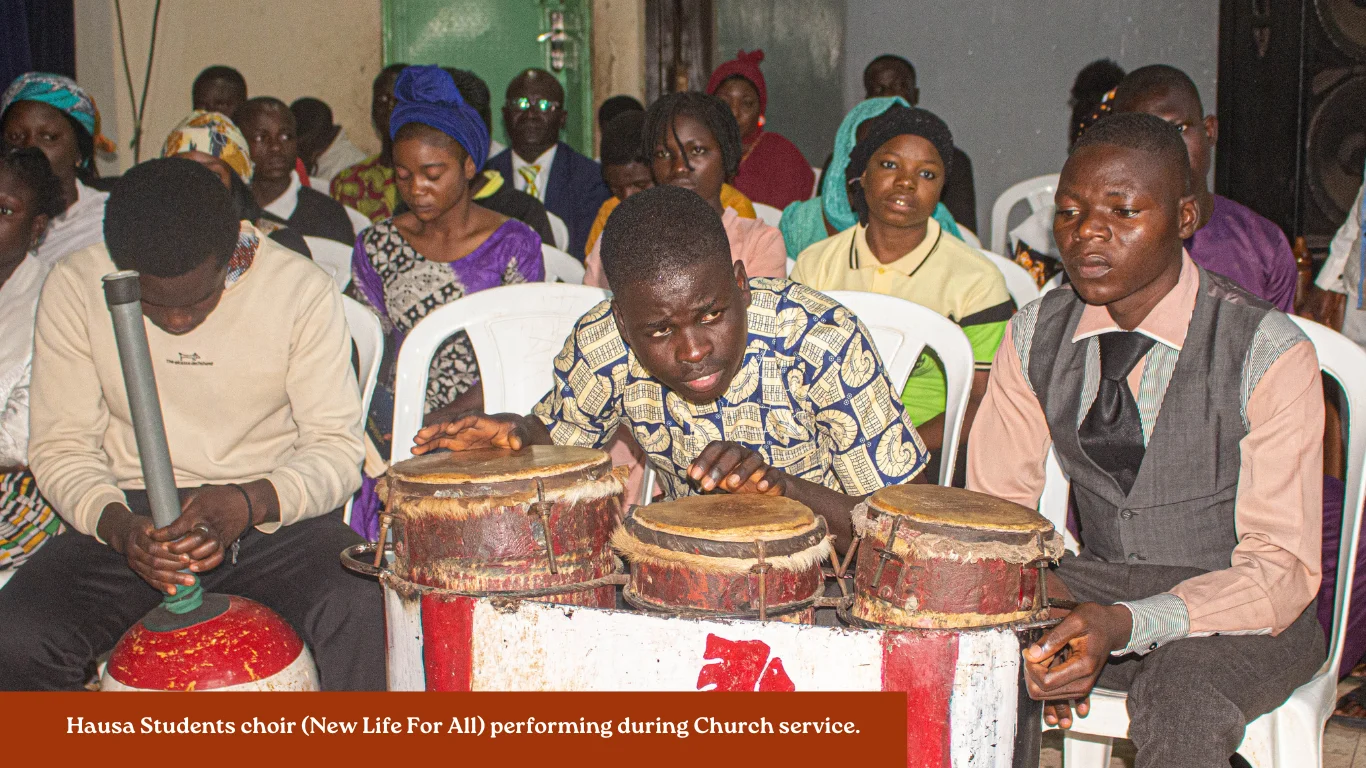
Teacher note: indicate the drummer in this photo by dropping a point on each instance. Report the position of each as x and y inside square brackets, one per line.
[729, 384]
[1188, 415]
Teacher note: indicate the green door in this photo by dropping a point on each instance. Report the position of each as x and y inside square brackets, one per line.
[497, 40]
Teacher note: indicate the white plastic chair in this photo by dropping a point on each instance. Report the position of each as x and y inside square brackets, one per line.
[1036, 191]
[816, 185]
[901, 330]
[559, 230]
[368, 335]
[1290, 736]
[768, 214]
[1019, 282]
[5, 576]
[969, 237]
[333, 257]
[560, 266]
[1053, 282]
[516, 332]
[359, 221]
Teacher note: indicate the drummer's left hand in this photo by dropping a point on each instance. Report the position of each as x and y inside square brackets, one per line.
[1088, 635]
[734, 468]
[211, 518]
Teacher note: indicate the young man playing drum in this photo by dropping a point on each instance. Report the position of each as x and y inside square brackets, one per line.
[728, 384]
[1189, 417]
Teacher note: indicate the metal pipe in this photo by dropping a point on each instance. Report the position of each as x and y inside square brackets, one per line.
[123, 294]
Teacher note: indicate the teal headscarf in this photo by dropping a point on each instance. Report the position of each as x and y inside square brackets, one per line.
[803, 223]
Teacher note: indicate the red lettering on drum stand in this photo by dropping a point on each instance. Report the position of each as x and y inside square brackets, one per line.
[922, 664]
[741, 665]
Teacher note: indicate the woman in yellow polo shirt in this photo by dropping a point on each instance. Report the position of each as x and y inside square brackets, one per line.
[895, 175]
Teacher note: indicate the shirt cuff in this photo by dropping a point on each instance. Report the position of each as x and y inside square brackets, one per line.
[1333, 283]
[1158, 620]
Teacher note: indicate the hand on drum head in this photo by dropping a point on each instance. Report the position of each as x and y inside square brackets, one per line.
[733, 468]
[1064, 665]
[477, 430]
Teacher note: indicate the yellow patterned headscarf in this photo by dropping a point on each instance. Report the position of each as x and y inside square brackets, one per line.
[213, 134]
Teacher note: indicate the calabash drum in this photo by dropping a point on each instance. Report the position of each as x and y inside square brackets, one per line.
[725, 556]
[962, 574]
[497, 521]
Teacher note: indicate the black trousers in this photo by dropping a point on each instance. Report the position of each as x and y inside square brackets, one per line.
[75, 597]
[1191, 700]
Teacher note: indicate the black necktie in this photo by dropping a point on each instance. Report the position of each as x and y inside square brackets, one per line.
[1112, 434]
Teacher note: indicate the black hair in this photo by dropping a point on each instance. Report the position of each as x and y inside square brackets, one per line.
[31, 167]
[1145, 80]
[708, 110]
[220, 73]
[616, 105]
[621, 143]
[1141, 132]
[536, 71]
[166, 217]
[391, 71]
[250, 107]
[1088, 92]
[658, 231]
[475, 92]
[311, 115]
[890, 58]
[896, 121]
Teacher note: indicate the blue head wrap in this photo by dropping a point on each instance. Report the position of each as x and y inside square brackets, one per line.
[428, 95]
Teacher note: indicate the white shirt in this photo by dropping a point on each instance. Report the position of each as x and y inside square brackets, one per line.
[1346, 244]
[18, 308]
[542, 177]
[496, 146]
[80, 226]
[284, 205]
[339, 155]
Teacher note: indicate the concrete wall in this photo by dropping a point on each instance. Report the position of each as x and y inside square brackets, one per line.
[618, 52]
[999, 72]
[329, 49]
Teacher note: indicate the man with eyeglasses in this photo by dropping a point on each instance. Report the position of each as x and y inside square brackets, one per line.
[538, 163]
[1232, 240]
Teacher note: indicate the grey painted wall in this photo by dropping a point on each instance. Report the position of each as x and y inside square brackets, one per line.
[803, 64]
[999, 71]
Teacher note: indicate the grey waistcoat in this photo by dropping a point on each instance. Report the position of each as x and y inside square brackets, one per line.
[1180, 511]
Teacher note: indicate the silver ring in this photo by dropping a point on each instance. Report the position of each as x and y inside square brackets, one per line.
[202, 527]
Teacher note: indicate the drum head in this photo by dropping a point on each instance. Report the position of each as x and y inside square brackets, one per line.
[724, 517]
[954, 508]
[491, 465]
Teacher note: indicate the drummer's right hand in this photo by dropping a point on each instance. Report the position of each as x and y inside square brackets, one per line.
[131, 536]
[477, 430]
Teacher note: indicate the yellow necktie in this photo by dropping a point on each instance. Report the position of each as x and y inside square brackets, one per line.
[530, 172]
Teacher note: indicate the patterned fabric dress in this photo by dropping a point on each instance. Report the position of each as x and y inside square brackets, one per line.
[404, 287]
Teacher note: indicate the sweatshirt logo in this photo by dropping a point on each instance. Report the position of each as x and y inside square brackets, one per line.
[191, 359]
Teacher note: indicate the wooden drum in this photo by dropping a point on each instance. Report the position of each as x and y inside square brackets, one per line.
[498, 521]
[944, 558]
[725, 556]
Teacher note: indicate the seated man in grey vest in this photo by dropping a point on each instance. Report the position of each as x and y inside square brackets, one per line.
[1189, 417]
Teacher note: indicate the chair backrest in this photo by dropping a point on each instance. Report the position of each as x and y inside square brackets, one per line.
[1019, 282]
[560, 266]
[359, 221]
[1342, 359]
[816, 185]
[901, 330]
[1053, 282]
[516, 332]
[368, 334]
[768, 214]
[1036, 191]
[969, 237]
[559, 229]
[333, 257]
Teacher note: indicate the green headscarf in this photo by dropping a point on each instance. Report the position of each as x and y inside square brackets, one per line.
[803, 223]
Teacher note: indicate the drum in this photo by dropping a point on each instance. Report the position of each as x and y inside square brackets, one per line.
[934, 558]
[497, 521]
[957, 579]
[725, 556]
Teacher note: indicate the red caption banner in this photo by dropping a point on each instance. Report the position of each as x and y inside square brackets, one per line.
[670, 729]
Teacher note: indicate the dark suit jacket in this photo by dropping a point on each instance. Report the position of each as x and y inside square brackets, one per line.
[574, 192]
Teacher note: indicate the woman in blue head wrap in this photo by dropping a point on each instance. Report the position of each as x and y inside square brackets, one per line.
[443, 247]
[808, 222]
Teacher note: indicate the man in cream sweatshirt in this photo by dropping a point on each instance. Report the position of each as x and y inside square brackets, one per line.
[252, 359]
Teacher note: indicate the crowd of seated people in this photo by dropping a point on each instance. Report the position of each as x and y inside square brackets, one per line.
[1174, 310]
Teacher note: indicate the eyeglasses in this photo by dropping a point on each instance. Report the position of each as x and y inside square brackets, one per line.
[540, 105]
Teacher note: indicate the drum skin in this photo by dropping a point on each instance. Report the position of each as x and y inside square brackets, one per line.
[698, 555]
[944, 558]
[468, 521]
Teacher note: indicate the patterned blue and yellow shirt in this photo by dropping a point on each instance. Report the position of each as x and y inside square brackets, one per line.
[811, 397]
